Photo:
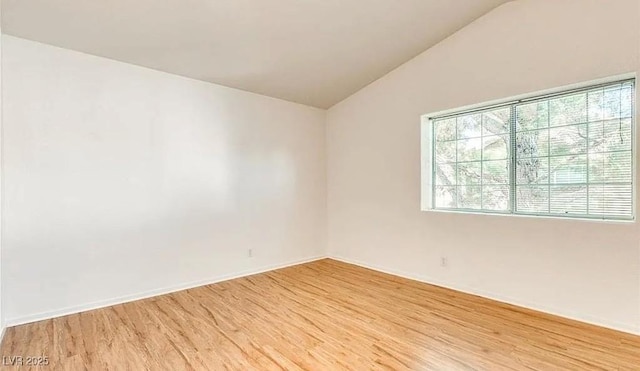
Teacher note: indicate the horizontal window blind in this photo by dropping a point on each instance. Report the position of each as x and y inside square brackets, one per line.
[567, 154]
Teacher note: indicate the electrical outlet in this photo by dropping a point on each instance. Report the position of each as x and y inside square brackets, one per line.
[444, 262]
[250, 253]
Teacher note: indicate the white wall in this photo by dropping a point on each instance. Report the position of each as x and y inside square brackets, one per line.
[2, 323]
[580, 269]
[121, 181]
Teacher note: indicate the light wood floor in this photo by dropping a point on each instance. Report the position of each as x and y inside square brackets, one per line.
[324, 315]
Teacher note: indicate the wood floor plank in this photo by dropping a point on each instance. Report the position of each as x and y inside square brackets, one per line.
[324, 315]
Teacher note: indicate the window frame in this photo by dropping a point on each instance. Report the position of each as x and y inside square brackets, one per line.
[428, 157]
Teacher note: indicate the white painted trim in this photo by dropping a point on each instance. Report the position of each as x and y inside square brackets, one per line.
[470, 290]
[2, 332]
[619, 326]
[148, 294]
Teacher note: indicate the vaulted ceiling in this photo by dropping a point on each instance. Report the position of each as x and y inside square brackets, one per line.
[315, 52]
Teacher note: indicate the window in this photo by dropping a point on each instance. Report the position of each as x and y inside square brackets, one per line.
[568, 154]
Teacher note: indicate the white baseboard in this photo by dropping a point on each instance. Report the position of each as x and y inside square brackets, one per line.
[144, 295]
[624, 327]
